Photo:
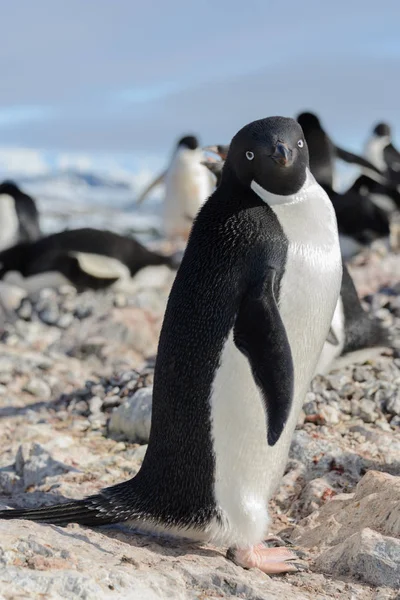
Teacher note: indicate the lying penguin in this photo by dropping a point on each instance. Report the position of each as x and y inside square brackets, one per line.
[87, 258]
[19, 217]
[262, 269]
[188, 183]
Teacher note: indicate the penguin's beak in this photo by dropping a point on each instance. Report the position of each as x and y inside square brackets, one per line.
[282, 155]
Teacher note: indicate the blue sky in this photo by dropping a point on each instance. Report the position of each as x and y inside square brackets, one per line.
[124, 78]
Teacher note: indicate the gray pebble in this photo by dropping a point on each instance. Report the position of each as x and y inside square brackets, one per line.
[38, 387]
[65, 321]
[393, 404]
[368, 411]
[50, 315]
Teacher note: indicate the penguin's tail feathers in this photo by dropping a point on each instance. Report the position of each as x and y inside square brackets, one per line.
[92, 511]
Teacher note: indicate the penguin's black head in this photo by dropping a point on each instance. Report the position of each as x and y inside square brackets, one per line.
[382, 130]
[271, 154]
[188, 141]
[10, 188]
[308, 121]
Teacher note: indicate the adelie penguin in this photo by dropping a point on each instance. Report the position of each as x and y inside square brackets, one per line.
[188, 183]
[323, 153]
[381, 152]
[246, 320]
[19, 217]
[87, 258]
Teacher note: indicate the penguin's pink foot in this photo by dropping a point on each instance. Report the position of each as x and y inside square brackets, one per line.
[272, 561]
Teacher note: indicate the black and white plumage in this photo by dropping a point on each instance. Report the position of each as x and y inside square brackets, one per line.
[245, 323]
[381, 152]
[188, 183]
[19, 217]
[88, 258]
[355, 336]
[323, 153]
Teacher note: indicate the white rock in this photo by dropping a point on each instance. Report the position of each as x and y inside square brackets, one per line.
[33, 463]
[368, 556]
[132, 419]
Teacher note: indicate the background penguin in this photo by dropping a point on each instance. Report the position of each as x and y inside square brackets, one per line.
[88, 258]
[187, 185]
[354, 336]
[379, 150]
[19, 217]
[323, 153]
[261, 271]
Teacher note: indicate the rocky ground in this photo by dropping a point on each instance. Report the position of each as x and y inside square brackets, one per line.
[75, 403]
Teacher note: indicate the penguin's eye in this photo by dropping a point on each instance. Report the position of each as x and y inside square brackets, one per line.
[300, 143]
[249, 155]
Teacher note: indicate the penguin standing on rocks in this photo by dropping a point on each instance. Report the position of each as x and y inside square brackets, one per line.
[323, 153]
[188, 183]
[19, 217]
[245, 324]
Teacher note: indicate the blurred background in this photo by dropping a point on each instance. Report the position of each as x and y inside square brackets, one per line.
[95, 94]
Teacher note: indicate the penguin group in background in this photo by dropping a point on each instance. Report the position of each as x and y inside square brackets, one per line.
[379, 150]
[19, 217]
[87, 258]
[249, 312]
[188, 183]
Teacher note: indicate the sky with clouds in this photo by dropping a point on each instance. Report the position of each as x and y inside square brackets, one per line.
[123, 77]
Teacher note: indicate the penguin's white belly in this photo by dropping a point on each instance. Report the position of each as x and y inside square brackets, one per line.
[9, 224]
[247, 469]
[188, 185]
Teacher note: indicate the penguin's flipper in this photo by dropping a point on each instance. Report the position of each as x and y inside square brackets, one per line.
[259, 333]
[157, 181]
[367, 167]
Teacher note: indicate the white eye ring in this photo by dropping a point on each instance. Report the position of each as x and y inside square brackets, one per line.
[249, 155]
[300, 143]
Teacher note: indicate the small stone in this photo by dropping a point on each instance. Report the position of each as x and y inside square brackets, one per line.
[132, 419]
[38, 387]
[367, 411]
[95, 405]
[98, 390]
[310, 408]
[65, 321]
[25, 309]
[33, 463]
[49, 315]
[83, 312]
[330, 414]
[395, 422]
[393, 404]
[111, 401]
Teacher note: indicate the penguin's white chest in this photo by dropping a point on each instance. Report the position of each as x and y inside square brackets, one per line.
[247, 469]
[374, 151]
[188, 184]
[9, 224]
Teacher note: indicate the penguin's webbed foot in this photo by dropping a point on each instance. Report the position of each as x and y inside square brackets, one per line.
[272, 561]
